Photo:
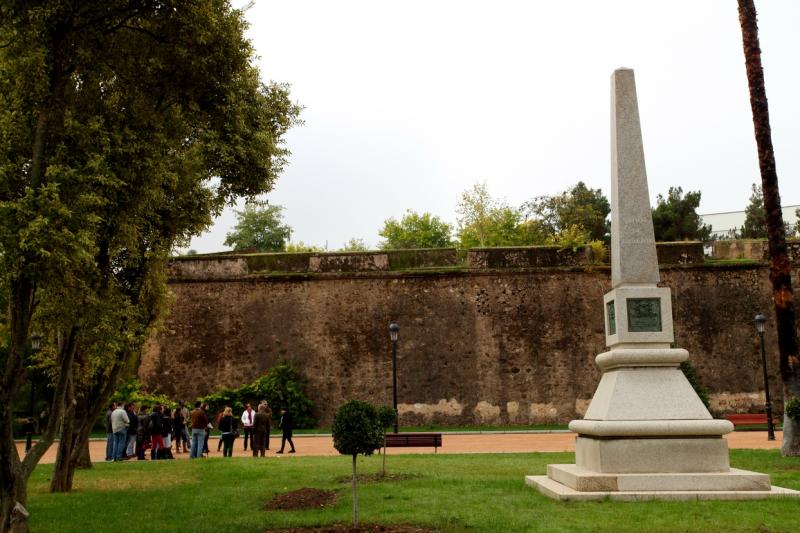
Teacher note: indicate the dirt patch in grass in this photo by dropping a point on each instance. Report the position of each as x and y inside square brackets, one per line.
[301, 499]
[366, 528]
[377, 478]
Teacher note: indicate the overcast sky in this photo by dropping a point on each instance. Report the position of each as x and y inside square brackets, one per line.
[409, 103]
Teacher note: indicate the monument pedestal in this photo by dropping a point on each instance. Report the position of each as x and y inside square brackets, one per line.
[646, 434]
[569, 483]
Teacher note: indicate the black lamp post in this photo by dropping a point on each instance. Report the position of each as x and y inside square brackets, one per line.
[760, 321]
[394, 328]
[36, 345]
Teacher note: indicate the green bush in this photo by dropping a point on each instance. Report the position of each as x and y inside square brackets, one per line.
[793, 408]
[281, 386]
[131, 391]
[691, 375]
[386, 416]
[357, 429]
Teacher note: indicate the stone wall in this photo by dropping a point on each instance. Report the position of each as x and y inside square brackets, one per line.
[477, 345]
[754, 249]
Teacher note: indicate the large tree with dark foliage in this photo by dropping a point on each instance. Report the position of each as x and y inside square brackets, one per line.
[675, 217]
[780, 273]
[577, 206]
[125, 125]
[755, 218]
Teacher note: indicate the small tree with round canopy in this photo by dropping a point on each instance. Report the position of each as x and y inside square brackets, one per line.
[356, 430]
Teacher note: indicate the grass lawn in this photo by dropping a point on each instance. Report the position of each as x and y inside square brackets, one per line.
[444, 492]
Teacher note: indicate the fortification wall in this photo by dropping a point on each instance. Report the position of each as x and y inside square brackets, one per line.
[477, 344]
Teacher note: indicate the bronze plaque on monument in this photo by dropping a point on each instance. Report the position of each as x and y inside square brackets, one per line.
[644, 314]
[612, 318]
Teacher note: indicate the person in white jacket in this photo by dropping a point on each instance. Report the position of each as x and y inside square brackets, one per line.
[248, 416]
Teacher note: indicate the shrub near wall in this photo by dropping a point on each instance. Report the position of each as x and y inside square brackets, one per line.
[281, 386]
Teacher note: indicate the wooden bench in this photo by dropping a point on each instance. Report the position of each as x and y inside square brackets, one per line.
[414, 440]
[752, 419]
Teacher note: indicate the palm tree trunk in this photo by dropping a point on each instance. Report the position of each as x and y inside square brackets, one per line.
[779, 268]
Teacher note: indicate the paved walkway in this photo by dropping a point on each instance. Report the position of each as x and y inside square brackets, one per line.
[321, 445]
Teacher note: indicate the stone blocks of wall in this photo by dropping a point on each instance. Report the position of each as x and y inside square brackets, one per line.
[525, 257]
[208, 267]
[349, 262]
[680, 253]
[754, 249]
[476, 346]
[231, 266]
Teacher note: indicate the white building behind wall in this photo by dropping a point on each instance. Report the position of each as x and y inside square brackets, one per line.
[726, 225]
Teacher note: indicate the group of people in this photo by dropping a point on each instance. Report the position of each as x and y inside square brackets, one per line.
[131, 432]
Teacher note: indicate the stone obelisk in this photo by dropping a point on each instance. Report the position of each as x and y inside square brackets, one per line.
[646, 433]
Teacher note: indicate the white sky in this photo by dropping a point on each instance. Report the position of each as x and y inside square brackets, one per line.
[409, 103]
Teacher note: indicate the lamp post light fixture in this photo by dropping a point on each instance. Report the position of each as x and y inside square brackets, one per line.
[760, 322]
[36, 345]
[394, 329]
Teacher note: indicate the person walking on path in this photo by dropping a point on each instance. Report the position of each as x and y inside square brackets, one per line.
[286, 426]
[109, 434]
[247, 423]
[198, 421]
[260, 432]
[227, 425]
[119, 425]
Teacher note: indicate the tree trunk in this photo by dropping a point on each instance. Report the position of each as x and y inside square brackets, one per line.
[355, 494]
[779, 269]
[383, 465]
[64, 469]
[13, 499]
[84, 461]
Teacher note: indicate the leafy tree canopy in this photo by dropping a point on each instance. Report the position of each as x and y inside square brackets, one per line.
[355, 245]
[487, 221]
[755, 217]
[124, 127]
[675, 217]
[578, 206]
[357, 429]
[300, 247]
[259, 226]
[386, 415]
[416, 230]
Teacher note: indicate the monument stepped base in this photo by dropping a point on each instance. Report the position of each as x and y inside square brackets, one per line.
[570, 482]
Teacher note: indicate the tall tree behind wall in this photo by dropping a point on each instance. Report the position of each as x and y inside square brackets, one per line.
[780, 271]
